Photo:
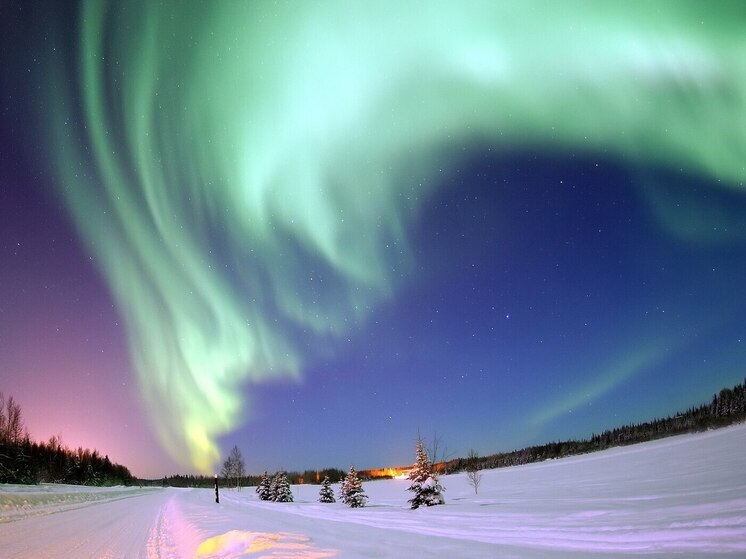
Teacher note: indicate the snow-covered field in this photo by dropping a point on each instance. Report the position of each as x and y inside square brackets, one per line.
[683, 496]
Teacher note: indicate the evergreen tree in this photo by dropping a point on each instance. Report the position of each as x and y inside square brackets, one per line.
[282, 492]
[263, 489]
[273, 487]
[326, 494]
[425, 486]
[342, 488]
[352, 493]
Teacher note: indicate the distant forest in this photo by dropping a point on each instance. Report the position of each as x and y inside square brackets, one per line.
[727, 407]
[26, 462]
[23, 461]
[296, 478]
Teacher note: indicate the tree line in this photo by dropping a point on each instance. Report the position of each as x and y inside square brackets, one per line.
[227, 479]
[26, 462]
[725, 408]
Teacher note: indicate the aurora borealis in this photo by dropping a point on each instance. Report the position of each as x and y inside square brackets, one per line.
[504, 222]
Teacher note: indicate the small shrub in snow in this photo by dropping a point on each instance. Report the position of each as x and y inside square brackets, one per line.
[326, 494]
[263, 489]
[282, 493]
[425, 485]
[273, 487]
[473, 475]
[352, 493]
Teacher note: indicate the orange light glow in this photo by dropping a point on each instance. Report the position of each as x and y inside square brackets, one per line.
[394, 472]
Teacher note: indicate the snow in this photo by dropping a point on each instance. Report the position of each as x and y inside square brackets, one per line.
[19, 501]
[682, 496]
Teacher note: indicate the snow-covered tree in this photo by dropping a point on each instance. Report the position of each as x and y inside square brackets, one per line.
[263, 489]
[352, 493]
[341, 493]
[282, 493]
[273, 487]
[326, 494]
[425, 485]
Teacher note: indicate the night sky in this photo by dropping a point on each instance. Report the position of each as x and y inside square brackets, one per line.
[314, 231]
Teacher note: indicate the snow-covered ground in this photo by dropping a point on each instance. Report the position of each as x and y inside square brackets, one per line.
[683, 496]
[20, 501]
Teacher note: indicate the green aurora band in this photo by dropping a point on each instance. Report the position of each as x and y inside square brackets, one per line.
[246, 172]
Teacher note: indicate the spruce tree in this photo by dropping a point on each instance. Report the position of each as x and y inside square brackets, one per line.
[326, 494]
[352, 493]
[425, 486]
[273, 487]
[342, 490]
[263, 489]
[282, 489]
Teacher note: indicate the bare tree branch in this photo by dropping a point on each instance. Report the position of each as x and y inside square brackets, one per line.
[473, 475]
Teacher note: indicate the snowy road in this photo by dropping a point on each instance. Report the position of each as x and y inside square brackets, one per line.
[113, 528]
[678, 497]
[174, 523]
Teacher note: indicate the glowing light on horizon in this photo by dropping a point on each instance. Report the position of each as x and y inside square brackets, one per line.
[245, 173]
